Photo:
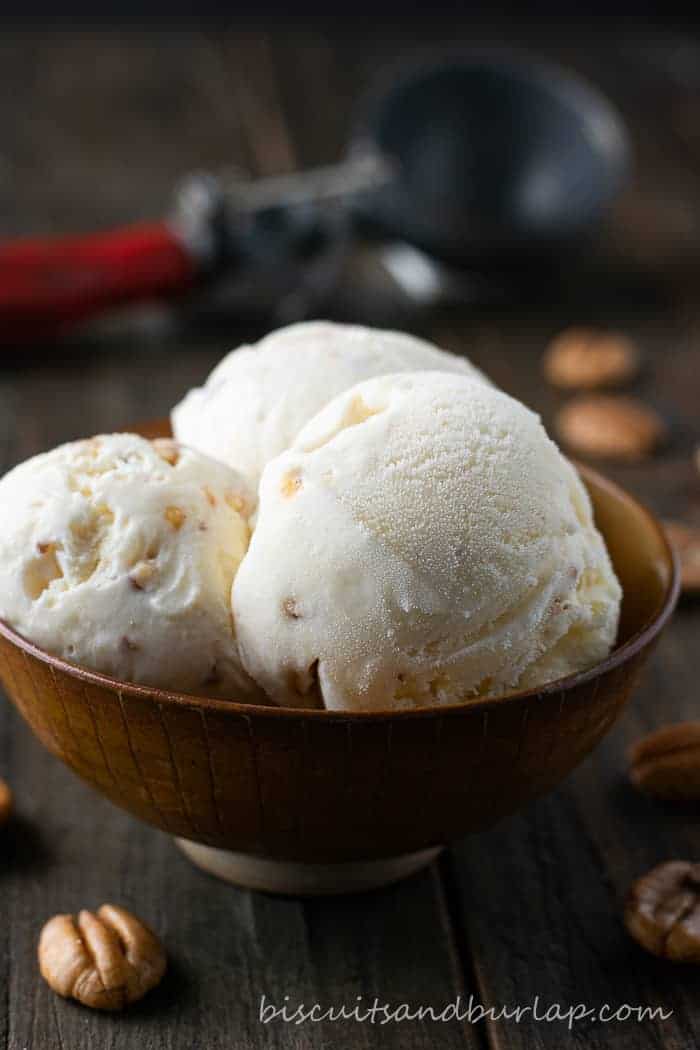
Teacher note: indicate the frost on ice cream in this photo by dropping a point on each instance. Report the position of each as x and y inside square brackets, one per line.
[422, 542]
[259, 397]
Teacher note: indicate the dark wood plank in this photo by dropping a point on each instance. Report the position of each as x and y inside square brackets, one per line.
[256, 95]
[109, 121]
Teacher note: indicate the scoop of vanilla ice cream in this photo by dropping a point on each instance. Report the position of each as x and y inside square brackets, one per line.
[422, 542]
[259, 397]
[119, 554]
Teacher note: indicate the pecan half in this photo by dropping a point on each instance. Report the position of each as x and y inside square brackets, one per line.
[105, 961]
[607, 427]
[686, 540]
[666, 763]
[590, 358]
[662, 911]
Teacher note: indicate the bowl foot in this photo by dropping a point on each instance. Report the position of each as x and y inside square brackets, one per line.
[299, 879]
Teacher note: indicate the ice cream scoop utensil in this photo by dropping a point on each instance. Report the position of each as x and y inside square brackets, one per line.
[484, 161]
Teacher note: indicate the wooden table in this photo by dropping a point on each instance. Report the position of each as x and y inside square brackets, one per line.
[96, 127]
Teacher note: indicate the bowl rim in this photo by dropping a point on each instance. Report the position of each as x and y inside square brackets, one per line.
[619, 656]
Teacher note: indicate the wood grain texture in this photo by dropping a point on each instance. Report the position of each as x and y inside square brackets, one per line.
[531, 907]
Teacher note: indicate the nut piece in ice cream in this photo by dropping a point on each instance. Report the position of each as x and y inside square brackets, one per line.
[5, 802]
[119, 553]
[105, 961]
[607, 427]
[666, 763]
[590, 358]
[686, 540]
[662, 911]
[434, 546]
[259, 397]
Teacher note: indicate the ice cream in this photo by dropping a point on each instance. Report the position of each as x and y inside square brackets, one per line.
[119, 554]
[422, 542]
[259, 397]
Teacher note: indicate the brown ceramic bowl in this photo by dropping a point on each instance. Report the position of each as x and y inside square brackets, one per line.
[319, 801]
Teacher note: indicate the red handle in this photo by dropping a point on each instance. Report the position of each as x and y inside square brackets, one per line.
[47, 285]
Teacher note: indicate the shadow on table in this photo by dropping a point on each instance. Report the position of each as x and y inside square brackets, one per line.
[24, 847]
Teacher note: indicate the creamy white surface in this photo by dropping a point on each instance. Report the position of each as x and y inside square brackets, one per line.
[422, 542]
[117, 559]
[259, 397]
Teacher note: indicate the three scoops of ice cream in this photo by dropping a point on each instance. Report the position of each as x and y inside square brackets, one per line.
[348, 518]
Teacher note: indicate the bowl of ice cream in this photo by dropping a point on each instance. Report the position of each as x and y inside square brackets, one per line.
[434, 618]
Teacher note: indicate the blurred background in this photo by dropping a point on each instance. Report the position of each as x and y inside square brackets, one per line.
[102, 125]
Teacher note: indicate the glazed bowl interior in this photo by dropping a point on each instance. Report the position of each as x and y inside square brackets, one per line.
[320, 786]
